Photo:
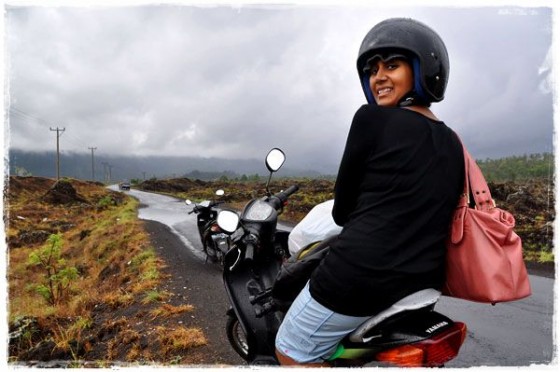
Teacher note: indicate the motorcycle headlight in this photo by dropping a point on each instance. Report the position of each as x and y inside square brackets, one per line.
[258, 211]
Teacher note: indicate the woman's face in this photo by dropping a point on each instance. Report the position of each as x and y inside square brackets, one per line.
[390, 81]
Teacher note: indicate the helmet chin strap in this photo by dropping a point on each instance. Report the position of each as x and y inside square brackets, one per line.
[416, 96]
[412, 99]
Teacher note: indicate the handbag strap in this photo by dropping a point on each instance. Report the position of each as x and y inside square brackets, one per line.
[477, 183]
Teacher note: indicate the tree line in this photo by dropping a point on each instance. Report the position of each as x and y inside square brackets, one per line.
[518, 168]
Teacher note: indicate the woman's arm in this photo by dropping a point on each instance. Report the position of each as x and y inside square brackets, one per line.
[359, 145]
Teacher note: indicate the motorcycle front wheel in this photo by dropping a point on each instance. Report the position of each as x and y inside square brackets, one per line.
[237, 337]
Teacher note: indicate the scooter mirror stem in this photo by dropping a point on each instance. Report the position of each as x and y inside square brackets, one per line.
[267, 183]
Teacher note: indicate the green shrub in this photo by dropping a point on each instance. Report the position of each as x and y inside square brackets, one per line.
[58, 275]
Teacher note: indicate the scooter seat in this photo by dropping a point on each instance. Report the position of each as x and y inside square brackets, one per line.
[414, 301]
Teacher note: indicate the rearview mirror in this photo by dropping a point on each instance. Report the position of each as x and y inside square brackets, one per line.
[275, 159]
[228, 221]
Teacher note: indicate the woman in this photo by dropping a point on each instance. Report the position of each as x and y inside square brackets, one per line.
[399, 181]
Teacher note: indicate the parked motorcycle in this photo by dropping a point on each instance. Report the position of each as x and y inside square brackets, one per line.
[215, 243]
[409, 333]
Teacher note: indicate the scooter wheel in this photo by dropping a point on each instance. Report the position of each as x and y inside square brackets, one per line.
[237, 337]
[209, 248]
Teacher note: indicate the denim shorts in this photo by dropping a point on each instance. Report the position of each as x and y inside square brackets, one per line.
[311, 332]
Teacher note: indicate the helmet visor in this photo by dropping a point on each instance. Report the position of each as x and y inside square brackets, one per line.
[383, 57]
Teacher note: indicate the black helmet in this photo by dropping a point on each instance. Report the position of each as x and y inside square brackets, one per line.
[426, 51]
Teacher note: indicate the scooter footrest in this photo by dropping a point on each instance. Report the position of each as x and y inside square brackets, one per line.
[264, 360]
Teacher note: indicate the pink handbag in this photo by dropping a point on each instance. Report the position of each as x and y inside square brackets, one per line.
[484, 254]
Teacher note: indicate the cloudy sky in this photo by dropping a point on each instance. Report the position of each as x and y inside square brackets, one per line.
[234, 80]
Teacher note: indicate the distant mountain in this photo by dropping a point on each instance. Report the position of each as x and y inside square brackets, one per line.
[79, 165]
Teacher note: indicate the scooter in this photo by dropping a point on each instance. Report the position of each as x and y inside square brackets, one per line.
[215, 243]
[409, 333]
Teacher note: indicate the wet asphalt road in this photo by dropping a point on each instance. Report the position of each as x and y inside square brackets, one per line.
[509, 334]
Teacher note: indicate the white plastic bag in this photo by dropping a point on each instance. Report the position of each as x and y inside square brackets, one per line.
[317, 225]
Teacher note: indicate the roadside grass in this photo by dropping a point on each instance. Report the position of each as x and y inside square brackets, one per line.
[155, 296]
[69, 337]
[180, 338]
[167, 310]
[107, 248]
[546, 257]
[127, 337]
[540, 256]
[121, 298]
[105, 244]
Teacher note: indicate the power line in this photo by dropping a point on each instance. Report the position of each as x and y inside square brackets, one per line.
[28, 116]
[74, 140]
[33, 119]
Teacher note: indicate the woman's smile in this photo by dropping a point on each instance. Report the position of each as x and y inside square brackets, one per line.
[384, 91]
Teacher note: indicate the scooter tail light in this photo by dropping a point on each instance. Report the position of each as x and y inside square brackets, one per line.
[402, 356]
[431, 352]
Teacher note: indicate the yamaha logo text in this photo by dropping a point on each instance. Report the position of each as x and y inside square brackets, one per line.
[436, 327]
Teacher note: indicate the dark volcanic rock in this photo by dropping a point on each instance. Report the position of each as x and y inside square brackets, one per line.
[63, 192]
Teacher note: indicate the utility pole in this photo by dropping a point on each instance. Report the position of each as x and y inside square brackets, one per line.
[59, 132]
[92, 163]
[109, 166]
[105, 164]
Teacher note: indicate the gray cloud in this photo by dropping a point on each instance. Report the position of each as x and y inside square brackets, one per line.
[233, 81]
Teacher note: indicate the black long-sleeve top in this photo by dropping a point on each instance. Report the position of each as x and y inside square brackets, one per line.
[399, 181]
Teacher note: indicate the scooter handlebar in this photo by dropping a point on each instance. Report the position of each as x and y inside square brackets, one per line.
[198, 208]
[281, 197]
[216, 203]
[290, 190]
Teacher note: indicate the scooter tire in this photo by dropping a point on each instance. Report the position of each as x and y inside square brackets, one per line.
[237, 337]
[209, 248]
